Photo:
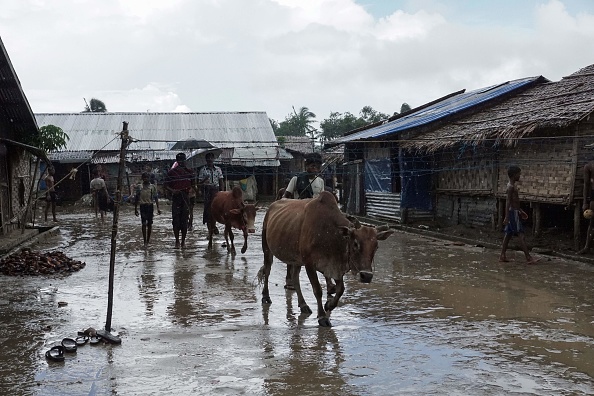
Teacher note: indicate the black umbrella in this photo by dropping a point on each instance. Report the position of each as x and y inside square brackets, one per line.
[191, 144]
[198, 157]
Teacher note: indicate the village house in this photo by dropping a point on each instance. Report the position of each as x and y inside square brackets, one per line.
[247, 148]
[382, 180]
[545, 130]
[17, 167]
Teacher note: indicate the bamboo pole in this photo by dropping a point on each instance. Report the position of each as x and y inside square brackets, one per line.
[114, 232]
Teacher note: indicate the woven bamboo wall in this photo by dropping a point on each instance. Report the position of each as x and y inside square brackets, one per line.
[547, 170]
[586, 132]
[467, 174]
[469, 211]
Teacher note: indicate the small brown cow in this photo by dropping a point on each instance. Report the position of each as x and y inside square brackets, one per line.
[315, 234]
[228, 208]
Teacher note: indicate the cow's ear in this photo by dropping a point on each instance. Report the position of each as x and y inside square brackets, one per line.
[346, 231]
[235, 211]
[384, 235]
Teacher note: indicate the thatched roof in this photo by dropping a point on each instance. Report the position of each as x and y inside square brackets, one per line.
[560, 104]
[297, 144]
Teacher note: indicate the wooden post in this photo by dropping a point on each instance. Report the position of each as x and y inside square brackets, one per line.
[114, 232]
[500, 212]
[537, 216]
[577, 216]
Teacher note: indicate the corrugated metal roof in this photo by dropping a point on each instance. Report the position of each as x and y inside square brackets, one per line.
[16, 116]
[255, 156]
[553, 106]
[70, 156]
[439, 110]
[246, 134]
[159, 131]
[284, 154]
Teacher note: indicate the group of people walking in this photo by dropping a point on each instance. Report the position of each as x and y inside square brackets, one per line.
[181, 184]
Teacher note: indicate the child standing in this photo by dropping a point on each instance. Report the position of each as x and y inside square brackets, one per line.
[513, 216]
[146, 194]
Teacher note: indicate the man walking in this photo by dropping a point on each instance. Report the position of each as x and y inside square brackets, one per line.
[211, 177]
[50, 198]
[146, 195]
[307, 185]
[178, 183]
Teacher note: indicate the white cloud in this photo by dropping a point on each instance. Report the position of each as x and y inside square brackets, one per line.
[269, 55]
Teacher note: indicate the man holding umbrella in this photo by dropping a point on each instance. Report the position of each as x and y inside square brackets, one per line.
[178, 183]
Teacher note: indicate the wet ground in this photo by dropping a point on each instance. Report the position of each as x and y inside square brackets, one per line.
[437, 319]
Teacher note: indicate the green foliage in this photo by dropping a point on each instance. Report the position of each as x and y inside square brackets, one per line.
[404, 108]
[50, 138]
[273, 124]
[298, 124]
[371, 116]
[95, 106]
[338, 124]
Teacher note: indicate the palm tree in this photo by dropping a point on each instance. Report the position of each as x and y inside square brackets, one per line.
[95, 106]
[303, 121]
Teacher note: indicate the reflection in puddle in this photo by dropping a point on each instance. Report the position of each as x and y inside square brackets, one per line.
[437, 319]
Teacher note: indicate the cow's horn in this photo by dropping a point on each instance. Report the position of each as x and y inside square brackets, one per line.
[381, 228]
[354, 220]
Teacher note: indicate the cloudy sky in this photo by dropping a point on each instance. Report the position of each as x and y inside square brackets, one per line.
[270, 55]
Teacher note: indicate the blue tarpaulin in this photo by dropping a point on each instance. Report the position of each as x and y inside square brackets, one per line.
[415, 173]
[378, 175]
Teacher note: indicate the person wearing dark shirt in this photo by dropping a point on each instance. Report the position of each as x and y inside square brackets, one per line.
[179, 182]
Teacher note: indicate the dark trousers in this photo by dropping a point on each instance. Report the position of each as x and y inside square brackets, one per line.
[180, 209]
[209, 193]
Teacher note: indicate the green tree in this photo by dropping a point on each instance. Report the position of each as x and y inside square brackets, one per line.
[274, 125]
[371, 116]
[304, 119]
[95, 106]
[50, 138]
[404, 108]
[297, 124]
[338, 124]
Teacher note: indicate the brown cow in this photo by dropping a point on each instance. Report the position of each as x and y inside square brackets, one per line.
[228, 208]
[314, 233]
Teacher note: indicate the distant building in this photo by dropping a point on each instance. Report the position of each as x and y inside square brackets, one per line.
[248, 147]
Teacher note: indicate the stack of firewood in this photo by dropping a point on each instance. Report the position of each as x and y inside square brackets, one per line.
[27, 262]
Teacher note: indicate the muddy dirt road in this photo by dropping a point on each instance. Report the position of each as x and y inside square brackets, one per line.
[437, 319]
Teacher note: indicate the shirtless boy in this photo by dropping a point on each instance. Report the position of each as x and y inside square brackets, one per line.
[513, 216]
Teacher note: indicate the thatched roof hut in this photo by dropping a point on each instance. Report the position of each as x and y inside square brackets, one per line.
[553, 105]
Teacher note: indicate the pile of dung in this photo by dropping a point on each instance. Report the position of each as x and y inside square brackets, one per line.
[27, 262]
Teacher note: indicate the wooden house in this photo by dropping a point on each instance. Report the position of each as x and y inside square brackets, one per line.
[17, 176]
[382, 180]
[545, 130]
